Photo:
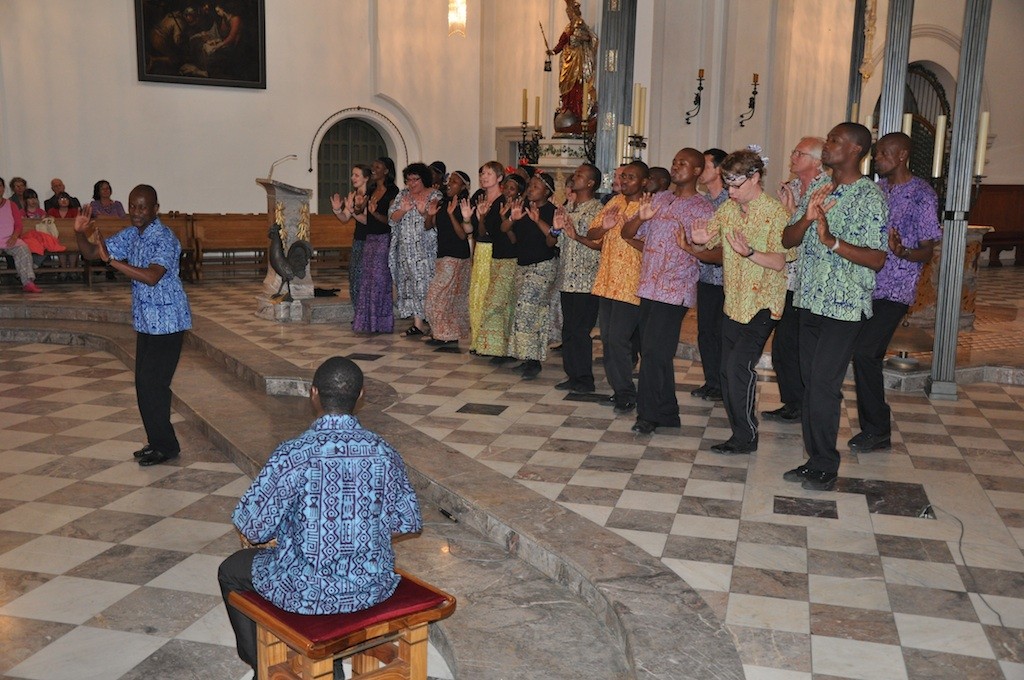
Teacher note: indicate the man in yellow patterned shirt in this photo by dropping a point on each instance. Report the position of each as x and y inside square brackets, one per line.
[754, 263]
[618, 277]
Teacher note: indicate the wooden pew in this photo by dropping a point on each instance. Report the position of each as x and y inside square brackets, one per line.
[67, 262]
[1001, 206]
[332, 242]
[230, 242]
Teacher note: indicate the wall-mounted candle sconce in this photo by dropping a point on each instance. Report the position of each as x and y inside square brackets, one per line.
[751, 104]
[692, 113]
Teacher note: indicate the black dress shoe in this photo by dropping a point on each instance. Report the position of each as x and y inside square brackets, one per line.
[143, 451]
[787, 414]
[713, 395]
[155, 457]
[568, 385]
[734, 448]
[583, 388]
[865, 442]
[499, 361]
[642, 426]
[531, 370]
[700, 391]
[624, 406]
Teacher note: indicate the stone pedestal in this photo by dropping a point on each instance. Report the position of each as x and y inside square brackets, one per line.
[922, 312]
[560, 157]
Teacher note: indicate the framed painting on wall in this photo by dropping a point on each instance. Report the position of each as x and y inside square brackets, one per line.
[202, 43]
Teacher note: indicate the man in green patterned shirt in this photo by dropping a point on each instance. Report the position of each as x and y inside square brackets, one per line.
[843, 233]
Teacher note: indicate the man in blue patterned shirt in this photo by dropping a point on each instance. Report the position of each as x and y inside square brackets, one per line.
[332, 498]
[147, 252]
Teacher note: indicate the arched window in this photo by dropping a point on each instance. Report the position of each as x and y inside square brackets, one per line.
[347, 142]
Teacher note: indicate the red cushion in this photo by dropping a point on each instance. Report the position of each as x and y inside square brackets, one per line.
[409, 598]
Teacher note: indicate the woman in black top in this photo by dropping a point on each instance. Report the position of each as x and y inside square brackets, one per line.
[374, 308]
[353, 207]
[532, 221]
[447, 303]
[492, 173]
[496, 323]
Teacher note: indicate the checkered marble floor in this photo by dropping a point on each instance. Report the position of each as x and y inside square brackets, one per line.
[847, 584]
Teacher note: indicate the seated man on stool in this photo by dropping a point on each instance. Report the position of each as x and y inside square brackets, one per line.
[333, 498]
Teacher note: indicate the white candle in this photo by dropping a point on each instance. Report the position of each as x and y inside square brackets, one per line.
[620, 136]
[979, 159]
[908, 124]
[940, 146]
[536, 112]
[636, 105]
[627, 150]
[525, 104]
[868, 122]
[854, 111]
[643, 109]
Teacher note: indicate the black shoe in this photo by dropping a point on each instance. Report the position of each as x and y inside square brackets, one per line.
[787, 414]
[583, 388]
[143, 451]
[520, 367]
[713, 395]
[155, 457]
[642, 426]
[800, 474]
[624, 406]
[568, 385]
[866, 441]
[700, 391]
[434, 342]
[532, 370]
[734, 448]
[498, 361]
[610, 401]
[820, 481]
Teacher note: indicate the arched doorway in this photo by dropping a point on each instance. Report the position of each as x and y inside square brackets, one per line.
[346, 143]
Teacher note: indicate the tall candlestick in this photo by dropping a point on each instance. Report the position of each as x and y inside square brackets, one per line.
[525, 104]
[700, 73]
[940, 146]
[536, 112]
[979, 159]
[908, 124]
[639, 123]
[755, 79]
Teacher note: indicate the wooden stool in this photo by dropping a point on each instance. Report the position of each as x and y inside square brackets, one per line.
[392, 633]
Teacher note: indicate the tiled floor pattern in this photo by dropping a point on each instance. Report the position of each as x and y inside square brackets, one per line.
[107, 569]
[812, 585]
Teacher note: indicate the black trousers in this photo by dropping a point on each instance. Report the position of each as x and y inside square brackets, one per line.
[579, 315]
[710, 301]
[235, 575]
[742, 346]
[786, 355]
[868, 355]
[656, 391]
[826, 347]
[620, 324]
[156, 359]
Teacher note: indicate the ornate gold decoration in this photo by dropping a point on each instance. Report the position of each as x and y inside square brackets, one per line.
[279, 220]
[867, 68]
[302, 228]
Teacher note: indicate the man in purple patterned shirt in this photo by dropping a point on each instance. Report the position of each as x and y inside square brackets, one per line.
[913, 232]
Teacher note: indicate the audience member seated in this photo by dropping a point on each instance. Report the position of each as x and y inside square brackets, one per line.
[31, 210]
[18, 186]
[332, 498]
[63, 208]
[11, 243]
[57, 186]
[102, 204]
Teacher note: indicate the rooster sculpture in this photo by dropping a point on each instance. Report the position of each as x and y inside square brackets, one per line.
[288, 266]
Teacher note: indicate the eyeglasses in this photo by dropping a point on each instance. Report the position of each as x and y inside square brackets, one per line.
[733, 184]
[798, 153]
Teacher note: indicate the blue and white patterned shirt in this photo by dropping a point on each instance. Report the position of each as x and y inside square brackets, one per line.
[332, 498]
[161, 309]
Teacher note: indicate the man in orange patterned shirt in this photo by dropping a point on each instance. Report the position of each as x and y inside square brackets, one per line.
[618, 277]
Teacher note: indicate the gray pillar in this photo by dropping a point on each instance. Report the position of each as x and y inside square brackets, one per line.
[615, 82]
[962, 148]
[894, 75]
[856, 57]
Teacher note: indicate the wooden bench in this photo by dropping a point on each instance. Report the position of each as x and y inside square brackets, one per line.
[68, 262]
[230, 242]
[1001, 206]
[332, 242]
[386, 642]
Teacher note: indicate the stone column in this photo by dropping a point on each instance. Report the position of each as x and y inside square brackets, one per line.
[977, 14]
[894, 74]
[615, 82]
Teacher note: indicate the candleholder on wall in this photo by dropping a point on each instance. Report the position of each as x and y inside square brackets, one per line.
[751, 104]
[529, 147]
[692, 113]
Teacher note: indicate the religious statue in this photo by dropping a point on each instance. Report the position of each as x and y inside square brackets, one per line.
[577, 47]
